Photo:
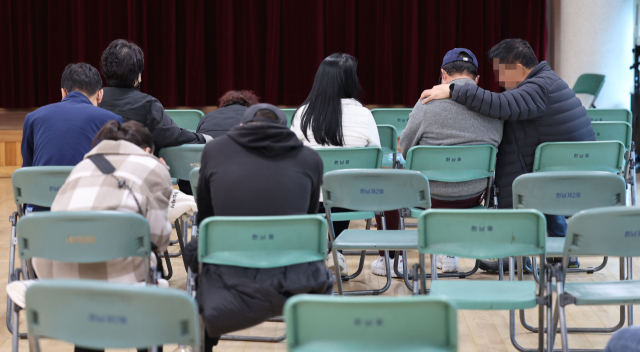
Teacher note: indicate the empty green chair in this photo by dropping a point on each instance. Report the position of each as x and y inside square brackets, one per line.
[610, 115]
[396, 117]
[579, 156]
[389, 144]
[186, 119]
[194, 176]
[98, 314]
[375, 191]
[613, 131]
[588, 85]
[289, 114]
[341, 324]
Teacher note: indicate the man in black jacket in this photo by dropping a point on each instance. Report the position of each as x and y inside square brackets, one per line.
[537, 107]
[258, 168]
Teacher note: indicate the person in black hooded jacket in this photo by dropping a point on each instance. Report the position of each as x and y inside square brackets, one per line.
[259, 168]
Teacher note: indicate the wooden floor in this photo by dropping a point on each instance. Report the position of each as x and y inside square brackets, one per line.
[477, 330]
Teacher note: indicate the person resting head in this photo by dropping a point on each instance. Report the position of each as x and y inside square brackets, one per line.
[232, 105]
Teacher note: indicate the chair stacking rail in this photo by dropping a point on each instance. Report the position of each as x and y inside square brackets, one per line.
[98, 315]
[484, 234]
[610, 115]
[377, 191]
[260, 242]
[389, 142]
[395, 117]
[289, 114]
[187, 119]
[603, 231]
[373, 324]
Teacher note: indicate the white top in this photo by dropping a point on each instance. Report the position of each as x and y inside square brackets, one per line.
[358, 127]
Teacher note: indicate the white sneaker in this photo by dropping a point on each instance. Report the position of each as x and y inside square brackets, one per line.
[378, 267]
[448, 264]
[341, 262]
[439, 261]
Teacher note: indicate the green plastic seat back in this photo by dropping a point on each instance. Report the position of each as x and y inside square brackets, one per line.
[589, 83]
[186, 119]
[83, 236]
[370, 323]
[481, 234]
[98, 314]
[262, 241]
[396, 117]
[579, 156]
[453, 163]
[388, 138]
[289, 114]
[613, 131]
[182, 159]
[375, 190]
[566, 193]
[38, 185]
[610, 115]
[194, 176]
[604, 231]
[350, 158]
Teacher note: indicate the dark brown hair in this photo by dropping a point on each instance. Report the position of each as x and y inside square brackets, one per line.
[131, 131]
[242, 97]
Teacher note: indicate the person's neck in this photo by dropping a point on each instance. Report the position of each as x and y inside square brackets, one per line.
[93, 99]
[451, 79]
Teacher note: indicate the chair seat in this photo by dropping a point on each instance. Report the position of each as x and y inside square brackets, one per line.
[323, 346]
[377, 239]
[602, 293]
[352, 215]
[487, 295]
[554, 246]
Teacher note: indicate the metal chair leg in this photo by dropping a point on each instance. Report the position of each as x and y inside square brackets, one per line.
[169, 267]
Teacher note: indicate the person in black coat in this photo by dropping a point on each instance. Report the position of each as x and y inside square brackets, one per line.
[537, 107]
[231, 106]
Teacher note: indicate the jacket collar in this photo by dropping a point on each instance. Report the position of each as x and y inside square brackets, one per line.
[463, 80]
[77, 97]
[350, 101]
[543, 66]
[120, 147]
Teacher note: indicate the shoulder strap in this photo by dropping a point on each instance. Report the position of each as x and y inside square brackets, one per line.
[102, 164]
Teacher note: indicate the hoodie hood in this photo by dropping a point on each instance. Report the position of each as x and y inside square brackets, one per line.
[267, 138]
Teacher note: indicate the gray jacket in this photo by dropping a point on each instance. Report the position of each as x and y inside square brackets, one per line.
[445, 122]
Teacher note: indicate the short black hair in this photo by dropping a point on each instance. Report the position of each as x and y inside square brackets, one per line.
[266, 114]
[122, 62]
[81, 77]
[514, 51]
[461, 67]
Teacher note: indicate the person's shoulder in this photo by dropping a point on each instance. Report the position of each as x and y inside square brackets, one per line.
[310, 158]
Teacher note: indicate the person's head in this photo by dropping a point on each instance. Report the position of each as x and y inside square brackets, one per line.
[513, 60]
[459, 63]
[263, 113]
[336, 79]
[240, 97]
[131, 131]
[83, 78]
[122, 64]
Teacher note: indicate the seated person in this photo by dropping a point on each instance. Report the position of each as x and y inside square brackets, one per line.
[449, 123]
[258, 168]
[231, 107]
[46, 134]
[625, 340]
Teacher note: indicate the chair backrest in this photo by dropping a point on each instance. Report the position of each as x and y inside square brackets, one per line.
[99, 314]
[375, 190]
[350, 158]
[589, 83]
[187, 119]
[194, 176]
[388, 138]
[481, 234]
[182, 159]
[38, 185]
[83, 236]
[604, 231]
[262, 241]
[566, 193]
[289, 114]
[396, 117]
[453, 163]
[414, 323]
[613, 131]
[579, 156]
[610, 115]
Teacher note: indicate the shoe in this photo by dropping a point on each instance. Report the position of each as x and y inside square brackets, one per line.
[492, 266]
[574, 263]
[341, 262]
[439, 260]
[448, 263]
[378, 267]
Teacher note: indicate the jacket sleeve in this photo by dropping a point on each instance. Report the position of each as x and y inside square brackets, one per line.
[156, 214]
[165, 132]
[27, 143]
[205, 205]
[528, 101]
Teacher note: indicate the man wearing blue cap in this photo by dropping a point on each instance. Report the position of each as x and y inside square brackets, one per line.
[445, 122]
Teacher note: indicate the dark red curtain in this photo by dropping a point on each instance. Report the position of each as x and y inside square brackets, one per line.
[195, 50]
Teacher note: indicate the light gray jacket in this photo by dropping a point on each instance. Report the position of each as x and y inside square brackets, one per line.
[445, 122]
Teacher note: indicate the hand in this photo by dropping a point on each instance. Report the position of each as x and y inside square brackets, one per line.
[440, 91]
[161, 160]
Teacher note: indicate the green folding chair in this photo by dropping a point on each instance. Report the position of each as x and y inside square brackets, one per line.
[260, 242]
[99, 315]
[194, 176]
[482, 234]
[604, 231]
[389, 142]
[579, 156]
[395, 117]
[591, 84]
[289, 114]
[620, 131]
[610, 115]
[376, 191]
[186, 119]
[341, 324]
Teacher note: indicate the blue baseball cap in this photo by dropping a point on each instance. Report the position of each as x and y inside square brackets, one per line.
[452, 55]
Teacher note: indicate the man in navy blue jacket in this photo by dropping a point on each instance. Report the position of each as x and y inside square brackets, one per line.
[60, 134]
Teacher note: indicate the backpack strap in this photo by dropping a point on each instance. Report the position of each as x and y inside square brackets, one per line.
[102, 164]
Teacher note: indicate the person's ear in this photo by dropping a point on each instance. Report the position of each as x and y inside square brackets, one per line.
[147, 149]
[99, 96]
[477, 78]
[443, 76]
[64, 92]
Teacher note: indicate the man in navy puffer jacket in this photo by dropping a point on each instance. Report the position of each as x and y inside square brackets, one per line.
[537, 107]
